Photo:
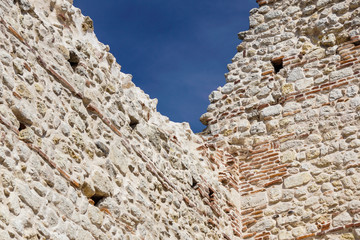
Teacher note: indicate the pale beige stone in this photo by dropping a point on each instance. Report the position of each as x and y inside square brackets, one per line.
[297, 180]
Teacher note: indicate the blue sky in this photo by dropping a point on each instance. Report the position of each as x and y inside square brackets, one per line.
[177, 51]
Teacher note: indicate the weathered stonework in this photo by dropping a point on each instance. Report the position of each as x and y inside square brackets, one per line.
[85, 155]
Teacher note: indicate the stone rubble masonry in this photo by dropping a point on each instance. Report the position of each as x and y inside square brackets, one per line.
[85, 155]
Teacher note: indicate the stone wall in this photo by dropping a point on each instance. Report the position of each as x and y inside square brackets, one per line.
[85, 155]
[288, 117]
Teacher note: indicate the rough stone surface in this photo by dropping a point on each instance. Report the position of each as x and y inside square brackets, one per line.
[85, 155]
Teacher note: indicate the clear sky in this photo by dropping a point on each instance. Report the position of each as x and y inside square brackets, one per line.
[176, 50]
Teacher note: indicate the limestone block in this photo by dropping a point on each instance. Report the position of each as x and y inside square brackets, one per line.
[272, 125]
[25, 5]
[311, 201]
[354, 4]
[273, 15]
[264, 92]
[215, 96]
[288, 156]
[4, 214]
[64, 205]
[28, 197]
[258, 128]
[312, 153]
[40, 189]
[309, 9]
[252, 91]
[23, 91]
[82, 234]
[357, 233]
[95, 215]
[23, 113]
[340, 8]
[342, 219]
[347, 131]
[274, 194]
[322, 3]
[14, 205]
[335, 94]
[285, 235]
[27, 135]
[256, 199]
[291, 106]
[262, 225]
[51, 217]
[18, 66]
[87, 25]
[5, 57]
[304, 83]
[288, 195]
[322, 178]
[348, 183]
[4, 235]
[354, 143]
[314, 138]
[205, 118]
[102, 184]
[290, 144]
[88, 188]
[282, 207]
[120, 161]
[297, 180]
[227, 88]
[8, 81]
[299, 231]
[271, 111]
[318, 52]
[296, 74]
[352, 91]
[327, 187]
[343, 73]
[103, 148]
[287, 88]
[328, 40]
[243, 125]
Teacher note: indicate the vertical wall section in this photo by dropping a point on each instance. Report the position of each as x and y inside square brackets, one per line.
[85, 155]
[283, 132]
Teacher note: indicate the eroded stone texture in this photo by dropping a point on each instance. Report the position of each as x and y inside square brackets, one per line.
[85, 155]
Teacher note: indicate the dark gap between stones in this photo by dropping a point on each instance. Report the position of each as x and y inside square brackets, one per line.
[74, 59]
[211, 193]
[133, 122]
[277, 64]
[194, 183]
[97, 199]
[22, 126]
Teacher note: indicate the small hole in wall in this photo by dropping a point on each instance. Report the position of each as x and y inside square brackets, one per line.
[357, 43]
[22, 126]
[277, 64]
[133, 122]
[74, 59]
[194, 183]
[211, 193]
[97, 199]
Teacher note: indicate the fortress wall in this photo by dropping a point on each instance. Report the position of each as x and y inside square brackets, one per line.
[85, 155]
[288, 116]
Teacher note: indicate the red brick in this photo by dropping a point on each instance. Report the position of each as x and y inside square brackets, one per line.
[306, 236]
[273, 182]
[246, 236]
[16, 34]
[267, 72]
